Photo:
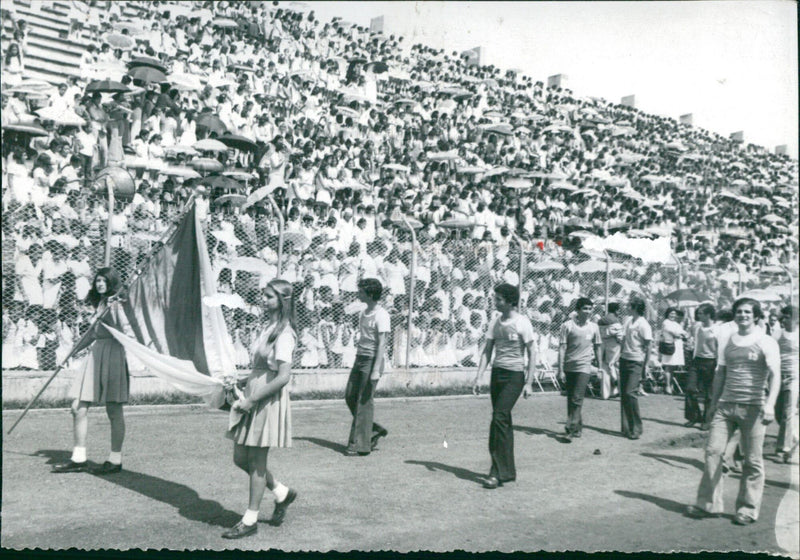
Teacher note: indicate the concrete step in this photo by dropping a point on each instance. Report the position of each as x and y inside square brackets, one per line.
[36, 18]
[38, 56]
[36, 74]
[52, 72]
[59, 47]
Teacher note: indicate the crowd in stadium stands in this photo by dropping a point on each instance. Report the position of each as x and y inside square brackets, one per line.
[348, 130]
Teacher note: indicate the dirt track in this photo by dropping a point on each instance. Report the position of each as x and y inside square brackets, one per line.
[179, 488]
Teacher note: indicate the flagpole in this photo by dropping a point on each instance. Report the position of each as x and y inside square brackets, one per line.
[165, 238]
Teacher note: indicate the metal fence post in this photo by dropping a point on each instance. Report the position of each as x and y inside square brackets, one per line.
[410, 289]
[280, 232]
[791, 286]
[110, 187]
[680, 269]
[608, 278]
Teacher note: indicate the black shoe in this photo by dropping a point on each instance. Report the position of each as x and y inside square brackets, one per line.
[374, 441]
[107, 468]
[491, 483]
[240, 530]
[742, 519]
[634, 436]
[279, 512]
[576, 434]
[698, 513]
[689, 424]
[71, 467]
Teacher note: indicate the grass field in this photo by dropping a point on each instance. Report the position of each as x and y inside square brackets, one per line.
[180, 490]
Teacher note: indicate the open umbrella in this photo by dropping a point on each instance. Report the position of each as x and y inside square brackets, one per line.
[184, 150]
[495, 171]
[470, 170]
[586, 192]
[232, 199]
[546, 265]
[628, 285]
[556, 128]
[396, 167]
[443, 156]
[31, 87]
[62, 117]
[341, 109]
[31, 129]
[106, 86]
[456, 223]
[119, 41]
[210, 145]
[220, 182]
[147, 61]
[376, 67]
[502, 129]
[211, 122]
[206, 164]
[297, 238]
[147, 74]
[185, 82]
[224, 23]
[240, 175]
[581, 233]
[238, 142]
[767, 295]
[592, 266]
[772, 218]
[518, 183]
[688, 297]
[563, 187]
[176, 171]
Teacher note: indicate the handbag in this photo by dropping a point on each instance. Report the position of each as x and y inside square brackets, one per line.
[666, 348]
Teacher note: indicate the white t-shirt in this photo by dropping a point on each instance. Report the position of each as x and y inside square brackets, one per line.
[510, 338]
[369, 326]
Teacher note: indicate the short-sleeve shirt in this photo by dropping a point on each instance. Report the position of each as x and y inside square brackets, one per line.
[510, 338]
[579, 342]
[266, 355]
[705, 342]
[789, 344]
[748, 361]
[369, 326]
[637, 333]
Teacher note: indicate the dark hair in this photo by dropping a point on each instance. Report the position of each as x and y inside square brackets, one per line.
[705, 309]
[508, 292]
[758, 313]
[638, 304]
[670, 310]
[372, 287]
[613, 307]
[113, 285]
[725, 315]
[789, 311]
[583, 302]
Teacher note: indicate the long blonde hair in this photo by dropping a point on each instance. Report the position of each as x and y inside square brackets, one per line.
[283, 290]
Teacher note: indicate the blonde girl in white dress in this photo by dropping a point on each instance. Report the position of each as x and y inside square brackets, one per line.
[267, 417]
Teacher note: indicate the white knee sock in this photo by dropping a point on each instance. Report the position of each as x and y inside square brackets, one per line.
[250, 517]
[78, 454]
[280, 492]
[115, 457]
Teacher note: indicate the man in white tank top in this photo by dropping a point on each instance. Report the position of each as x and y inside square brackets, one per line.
[749, 363]
[786, 407]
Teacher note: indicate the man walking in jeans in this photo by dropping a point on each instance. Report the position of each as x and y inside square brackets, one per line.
[579, 344]
[636, 341]
[749, 363]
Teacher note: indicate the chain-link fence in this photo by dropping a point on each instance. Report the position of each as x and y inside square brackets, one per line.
[447, 286]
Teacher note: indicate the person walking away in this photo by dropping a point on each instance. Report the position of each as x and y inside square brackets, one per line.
[704, 364]
[636, 342]
[749, 363]
[611, 334]
[786, 407]
[579, 343]
[104, 379]
[374, 325]
[510, 337]
[266, 415]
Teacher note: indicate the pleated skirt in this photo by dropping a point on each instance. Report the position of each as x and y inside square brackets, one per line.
[269, 422]
[104, 377]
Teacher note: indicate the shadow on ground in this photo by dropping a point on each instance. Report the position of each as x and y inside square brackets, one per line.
[332, 445]
[459, 472]
[182, 497]
[560, 438]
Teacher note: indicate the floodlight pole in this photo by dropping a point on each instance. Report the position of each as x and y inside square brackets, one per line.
[410, 289]
[280, 233]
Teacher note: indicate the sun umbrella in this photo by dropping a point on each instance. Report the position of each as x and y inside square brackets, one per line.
[581, 233]
[470, 170]
[495, 171]
[405, 101]
[502, 129]
[456, 223]
[210, 145]
[586, 192]
[396, 167]
[34, 86]
[206, 164]
[220, 182]
[63, 117]
[773, 218]
[297, 238]
[739, 183]
[211, 122]
[106, 86]
[224, 23]
[31, 129]
[178, 149]
[688, 297]
[557, 128]
[147, 74]
[628, 285]
[185, 82]
[347, 111]
[763, 201]
[546, 265]
[232, 199]
[132, 27]
[518, 183]
[119, 41]
[767, 295]
[147, 61]
[238, 142]
[240, 175]
[443, 156]
[563, 187]
[185, 172]
[376, 67]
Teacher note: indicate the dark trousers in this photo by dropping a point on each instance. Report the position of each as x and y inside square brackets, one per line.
[630, 376]
[698, 388]
[576, 390]
[505, 388]
[359, 394]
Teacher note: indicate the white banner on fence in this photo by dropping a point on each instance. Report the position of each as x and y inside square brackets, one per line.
[649, 250]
